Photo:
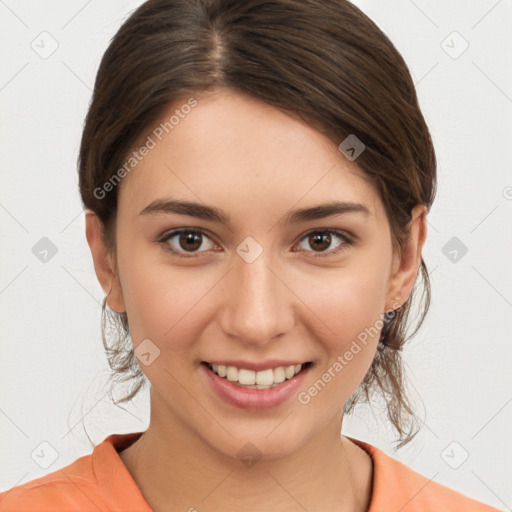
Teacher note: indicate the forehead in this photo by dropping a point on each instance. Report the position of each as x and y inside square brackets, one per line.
[231, 148]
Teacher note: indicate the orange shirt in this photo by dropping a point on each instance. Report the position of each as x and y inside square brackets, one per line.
[101, 482]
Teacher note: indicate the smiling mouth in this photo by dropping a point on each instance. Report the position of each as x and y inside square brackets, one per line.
[251, 379]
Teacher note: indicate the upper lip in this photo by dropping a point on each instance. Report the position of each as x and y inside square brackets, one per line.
[257, 365]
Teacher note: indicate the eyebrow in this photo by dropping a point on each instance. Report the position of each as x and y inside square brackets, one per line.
[202, 211]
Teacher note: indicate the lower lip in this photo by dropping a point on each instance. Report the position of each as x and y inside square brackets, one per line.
[254, 399]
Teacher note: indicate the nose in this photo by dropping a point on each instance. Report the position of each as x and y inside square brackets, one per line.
[259, 306]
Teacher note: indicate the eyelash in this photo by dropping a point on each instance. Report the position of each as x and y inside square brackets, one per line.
[347, 241]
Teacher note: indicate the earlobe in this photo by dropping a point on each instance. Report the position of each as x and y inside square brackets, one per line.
[408, 264]
[103, 264]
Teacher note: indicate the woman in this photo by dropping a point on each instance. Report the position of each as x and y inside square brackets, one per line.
[256, 177]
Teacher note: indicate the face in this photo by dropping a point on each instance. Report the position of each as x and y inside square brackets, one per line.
[251, 283]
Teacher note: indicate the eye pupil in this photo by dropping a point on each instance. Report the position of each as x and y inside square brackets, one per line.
[318, 237]
[190, 238]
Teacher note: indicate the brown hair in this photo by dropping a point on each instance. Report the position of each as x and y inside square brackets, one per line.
[323, 61]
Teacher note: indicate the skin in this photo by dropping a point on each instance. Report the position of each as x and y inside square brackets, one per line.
[256, 163]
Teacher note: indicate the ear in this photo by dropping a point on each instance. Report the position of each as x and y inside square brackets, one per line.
[407, 264]
[103, 264]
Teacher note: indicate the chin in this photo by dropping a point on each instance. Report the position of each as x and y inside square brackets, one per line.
[261, 440]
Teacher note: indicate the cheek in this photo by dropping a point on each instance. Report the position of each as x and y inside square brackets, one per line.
[164, 302]
[350, 301]
[349, 318]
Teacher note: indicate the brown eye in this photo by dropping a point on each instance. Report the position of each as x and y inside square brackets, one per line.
[321, 240]
[186, 242]
[190, 241]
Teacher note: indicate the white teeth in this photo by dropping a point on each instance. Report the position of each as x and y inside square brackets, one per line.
[232, 373]
[279, 375]
[263, 379]
[247, 377]
[289, 372]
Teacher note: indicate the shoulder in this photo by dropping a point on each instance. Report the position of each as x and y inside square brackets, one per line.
[98, 481]
[66, 489]
[396, 486]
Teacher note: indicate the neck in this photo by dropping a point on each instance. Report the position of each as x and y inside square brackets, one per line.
[171, 464]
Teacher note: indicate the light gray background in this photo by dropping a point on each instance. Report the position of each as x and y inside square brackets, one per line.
[53, 371]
